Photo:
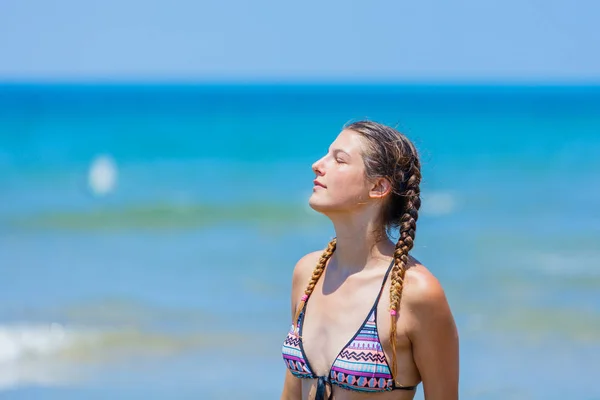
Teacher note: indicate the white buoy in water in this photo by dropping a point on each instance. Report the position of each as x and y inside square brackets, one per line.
[102, 175]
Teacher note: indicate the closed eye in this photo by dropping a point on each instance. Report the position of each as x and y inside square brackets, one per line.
[340, 156]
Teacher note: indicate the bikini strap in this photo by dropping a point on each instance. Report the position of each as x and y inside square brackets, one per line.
[387, 273]
[403, 387]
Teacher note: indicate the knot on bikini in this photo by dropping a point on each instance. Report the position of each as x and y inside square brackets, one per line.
[322, 383]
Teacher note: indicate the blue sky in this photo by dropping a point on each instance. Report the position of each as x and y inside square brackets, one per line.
[465, 40]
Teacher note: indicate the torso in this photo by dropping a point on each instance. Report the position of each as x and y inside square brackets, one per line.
[333, 316]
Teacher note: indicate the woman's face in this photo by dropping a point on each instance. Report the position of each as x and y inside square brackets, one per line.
[340, 184]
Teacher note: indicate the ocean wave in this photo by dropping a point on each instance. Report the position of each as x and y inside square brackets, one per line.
[165, 215]
[29, 354]
[53, 354]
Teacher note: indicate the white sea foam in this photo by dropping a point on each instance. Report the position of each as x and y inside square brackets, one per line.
[28, 341]
[29, 354]
[53, 354]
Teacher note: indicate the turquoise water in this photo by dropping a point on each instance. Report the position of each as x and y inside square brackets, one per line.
[175, 277]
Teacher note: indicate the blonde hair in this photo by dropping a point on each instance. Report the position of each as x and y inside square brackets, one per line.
[317, 272]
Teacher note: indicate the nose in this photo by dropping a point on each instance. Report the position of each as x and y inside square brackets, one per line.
[317, 167]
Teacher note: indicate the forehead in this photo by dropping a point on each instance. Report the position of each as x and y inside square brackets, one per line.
[348, 141]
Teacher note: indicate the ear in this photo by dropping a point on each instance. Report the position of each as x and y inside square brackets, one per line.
[381, 188]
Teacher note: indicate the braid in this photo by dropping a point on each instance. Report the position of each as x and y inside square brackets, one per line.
[318, 271]
[391, 155]
[408, 225]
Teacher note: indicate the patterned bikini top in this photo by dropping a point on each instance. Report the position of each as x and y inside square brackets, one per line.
[361, 365]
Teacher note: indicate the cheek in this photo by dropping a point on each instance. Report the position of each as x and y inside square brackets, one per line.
[350, 181]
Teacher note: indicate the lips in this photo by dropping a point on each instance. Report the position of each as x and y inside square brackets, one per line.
[317, 183]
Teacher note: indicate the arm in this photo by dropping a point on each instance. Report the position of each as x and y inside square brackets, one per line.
[292, 386]
[434, 338]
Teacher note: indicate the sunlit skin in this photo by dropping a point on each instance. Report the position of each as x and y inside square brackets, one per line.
[427, 340]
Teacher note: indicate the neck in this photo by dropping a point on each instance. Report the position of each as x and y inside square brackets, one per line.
[360, 243]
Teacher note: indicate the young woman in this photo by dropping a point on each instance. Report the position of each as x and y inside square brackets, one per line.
[369, 321]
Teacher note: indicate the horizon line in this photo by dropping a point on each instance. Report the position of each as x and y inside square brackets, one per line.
[448, 83]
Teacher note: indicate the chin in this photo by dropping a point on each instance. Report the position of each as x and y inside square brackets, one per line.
[316, 205]
[320, 206]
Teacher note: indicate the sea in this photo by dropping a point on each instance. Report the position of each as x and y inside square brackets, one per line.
[148, 232]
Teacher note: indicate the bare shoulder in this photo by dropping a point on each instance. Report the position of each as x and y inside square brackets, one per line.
[305, 266]
[430, 327]
[423, 294]
[303, 271]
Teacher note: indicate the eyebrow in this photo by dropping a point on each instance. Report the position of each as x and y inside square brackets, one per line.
[337, 151]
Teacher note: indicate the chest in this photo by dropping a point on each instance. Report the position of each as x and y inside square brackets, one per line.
[333, 319]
